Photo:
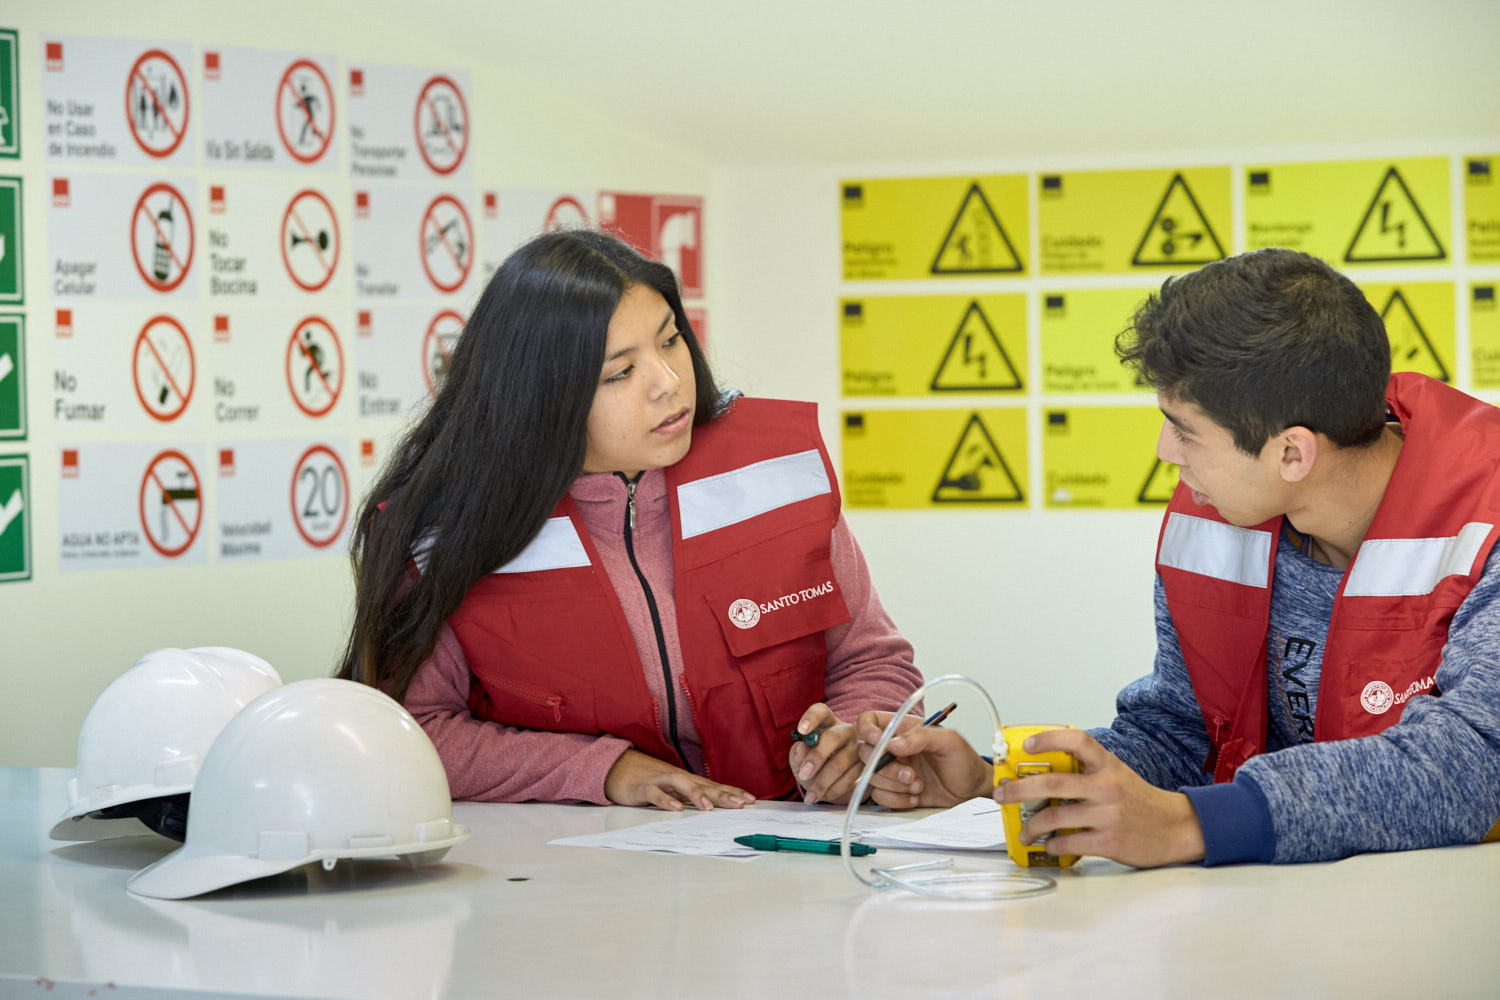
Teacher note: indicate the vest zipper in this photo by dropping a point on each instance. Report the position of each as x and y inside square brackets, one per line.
[661, 639]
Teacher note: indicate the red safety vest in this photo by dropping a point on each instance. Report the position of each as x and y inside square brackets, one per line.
[753, 505]
[1423, 553]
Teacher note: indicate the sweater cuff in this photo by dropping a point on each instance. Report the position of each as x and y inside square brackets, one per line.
[1236, 822]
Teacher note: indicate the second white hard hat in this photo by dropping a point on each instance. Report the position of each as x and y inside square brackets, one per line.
[145, 737]
[317, 770]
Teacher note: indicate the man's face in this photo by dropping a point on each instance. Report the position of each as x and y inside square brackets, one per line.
[1244, 489]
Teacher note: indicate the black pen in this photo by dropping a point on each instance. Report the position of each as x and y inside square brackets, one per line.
[935, 719]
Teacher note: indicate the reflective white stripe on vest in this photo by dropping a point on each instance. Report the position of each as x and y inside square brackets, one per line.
[1215, 549]
[1406, 567]
[731, 497]
[556, 547]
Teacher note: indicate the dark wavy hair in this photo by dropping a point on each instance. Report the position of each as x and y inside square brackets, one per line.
[1265, 341]
[478, 474]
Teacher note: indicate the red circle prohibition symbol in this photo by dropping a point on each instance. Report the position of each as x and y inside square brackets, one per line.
[318, 498]
[164, 253]
[155, 107]
[556, 221]
[457, 146]
[168, 496]
[160, 411]
[294, 231]
[312, 354]
[439, 241]
[300, 103]
[432, 347]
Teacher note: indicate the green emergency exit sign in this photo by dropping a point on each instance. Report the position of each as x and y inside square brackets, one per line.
[12, 276]
[15, 519]
[10, 95]
[12, 378]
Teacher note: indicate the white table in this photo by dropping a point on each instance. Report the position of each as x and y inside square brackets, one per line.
[508, 915]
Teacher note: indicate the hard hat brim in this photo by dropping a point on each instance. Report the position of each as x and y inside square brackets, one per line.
[86, 827]
[187, 872]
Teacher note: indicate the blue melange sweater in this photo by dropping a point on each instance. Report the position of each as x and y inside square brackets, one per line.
[1430, 780]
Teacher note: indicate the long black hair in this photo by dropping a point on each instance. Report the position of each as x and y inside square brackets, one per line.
[474, 480]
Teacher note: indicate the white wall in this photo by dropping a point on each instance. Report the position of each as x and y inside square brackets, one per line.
[1050, 611]
[65, 635]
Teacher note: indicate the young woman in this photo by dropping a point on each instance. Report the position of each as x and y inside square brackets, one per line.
[591, 576]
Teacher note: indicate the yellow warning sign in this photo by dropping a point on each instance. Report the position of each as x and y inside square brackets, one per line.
[1484, 335]
[1160, 483]
[1125, 221]
[1078, 340]
[1104, 457]
[924, 459]
[1482, 208]
[1419, 320]
[926, 227]
[1352, 212]
[915, 345]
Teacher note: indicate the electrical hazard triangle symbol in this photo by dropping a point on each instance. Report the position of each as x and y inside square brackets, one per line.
[976, 471]
[976, 242]
[1394, 228]
[1411, 351]
[1178, 232]
[975, 360]
[1160, 484]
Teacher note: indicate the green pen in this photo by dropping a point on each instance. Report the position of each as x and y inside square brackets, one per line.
[771, 842]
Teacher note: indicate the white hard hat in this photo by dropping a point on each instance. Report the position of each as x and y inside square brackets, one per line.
[314, 771]
[144, 739]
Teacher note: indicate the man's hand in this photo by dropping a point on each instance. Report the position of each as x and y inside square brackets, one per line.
[933, 766]
[1116, 813]
[638, 779]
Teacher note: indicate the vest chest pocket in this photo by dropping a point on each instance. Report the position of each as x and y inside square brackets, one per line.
[776, 605]
[773, 623]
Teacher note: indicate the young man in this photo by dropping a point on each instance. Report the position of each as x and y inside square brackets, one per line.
[1327, 676]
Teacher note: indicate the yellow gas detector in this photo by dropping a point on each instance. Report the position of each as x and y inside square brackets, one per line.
[1018, 763]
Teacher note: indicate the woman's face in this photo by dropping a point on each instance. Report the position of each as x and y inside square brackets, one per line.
[642, 417]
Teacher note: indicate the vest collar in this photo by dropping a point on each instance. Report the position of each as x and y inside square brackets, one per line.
[601, 496]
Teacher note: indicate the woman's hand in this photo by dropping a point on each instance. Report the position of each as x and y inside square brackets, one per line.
[639, 779]
[829, 771]
[933, 766]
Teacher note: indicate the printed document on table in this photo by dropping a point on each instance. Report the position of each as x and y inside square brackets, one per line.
[974, 825]
[971, 826]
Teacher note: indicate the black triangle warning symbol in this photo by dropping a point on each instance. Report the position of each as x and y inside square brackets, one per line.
[1179, 232]
[1394, 228]
[1411, 351]
[976, 360]
[976, 471]
[1160, 483]
[976, 242]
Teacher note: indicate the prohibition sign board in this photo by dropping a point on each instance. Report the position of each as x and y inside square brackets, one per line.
[304, 111]
[447, 243]
[164, 369]
[310, 240]
[156, 103]
[566, 213]
[171, 503]
[442, 124]
[320, 496]
[314, 366]
[437, 348]
[162, 233]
